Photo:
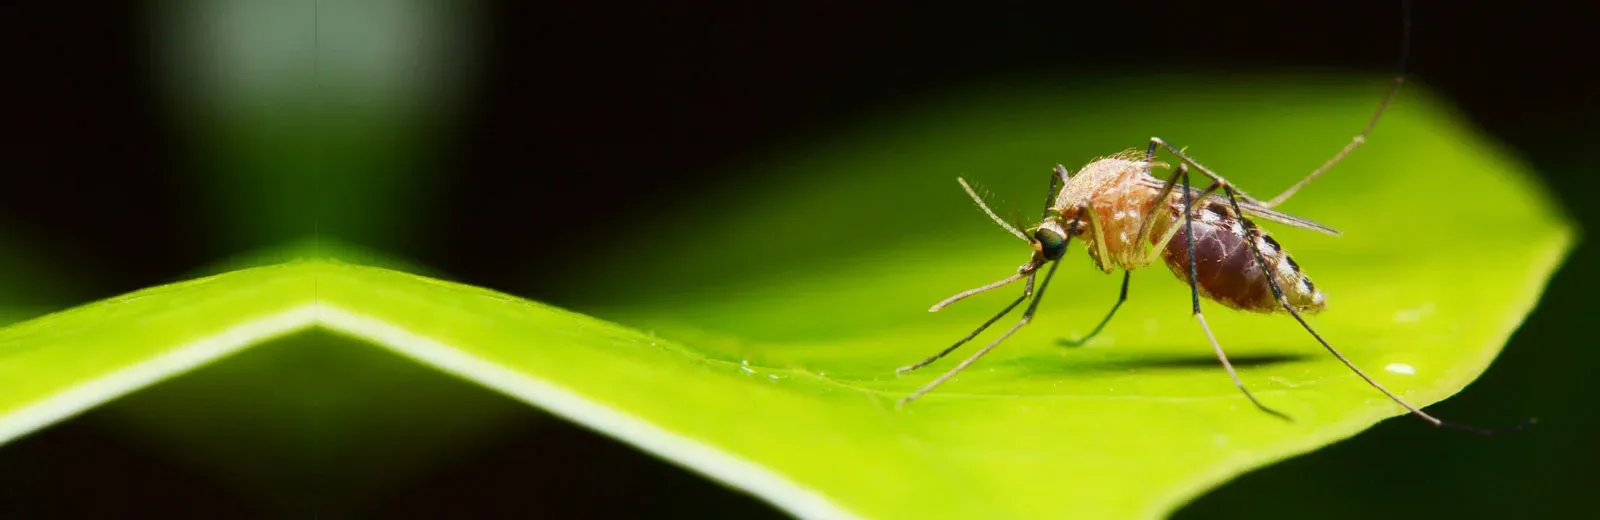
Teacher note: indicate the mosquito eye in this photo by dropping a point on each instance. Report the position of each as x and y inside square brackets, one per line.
[1051, 243]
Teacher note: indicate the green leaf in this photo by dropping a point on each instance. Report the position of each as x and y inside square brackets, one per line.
[767, 318]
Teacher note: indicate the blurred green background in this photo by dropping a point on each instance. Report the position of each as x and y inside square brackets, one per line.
[514, 145]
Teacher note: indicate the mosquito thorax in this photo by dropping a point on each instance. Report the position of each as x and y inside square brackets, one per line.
[1117, 203]
[1096, 177]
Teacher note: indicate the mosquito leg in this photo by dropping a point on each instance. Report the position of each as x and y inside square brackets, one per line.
[1120, 298]
[1405, 51]
[1158, 142]
[1145, 225]
[1057, 176]
[1194, 293]
[1166, 188]
[1099, 239]
[1027, 291]
[1284, 301]
[1027, 316]
[1354, 143]
[1223, 357]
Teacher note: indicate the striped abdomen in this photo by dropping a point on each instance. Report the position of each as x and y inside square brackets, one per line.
[1227, 269]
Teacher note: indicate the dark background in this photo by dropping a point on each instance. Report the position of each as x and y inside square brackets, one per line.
[573, 97]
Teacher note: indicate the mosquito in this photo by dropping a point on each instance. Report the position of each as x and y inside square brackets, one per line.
[1127, 217]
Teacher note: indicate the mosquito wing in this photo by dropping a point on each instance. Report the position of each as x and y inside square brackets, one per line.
[1251, 207]
[1286, 219]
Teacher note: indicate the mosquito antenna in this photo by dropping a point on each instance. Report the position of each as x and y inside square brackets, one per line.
[1017, 221]
[1394, 88]
[1284, 301]
[990, 212]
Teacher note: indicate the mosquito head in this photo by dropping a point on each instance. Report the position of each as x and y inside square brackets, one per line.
[1049, 240]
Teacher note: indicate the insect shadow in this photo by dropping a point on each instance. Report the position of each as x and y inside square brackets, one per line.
[1164, 361]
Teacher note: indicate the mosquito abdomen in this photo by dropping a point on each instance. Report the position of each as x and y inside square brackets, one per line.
[1226, 267]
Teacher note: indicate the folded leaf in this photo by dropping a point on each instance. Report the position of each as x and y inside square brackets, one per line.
[764, 331]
